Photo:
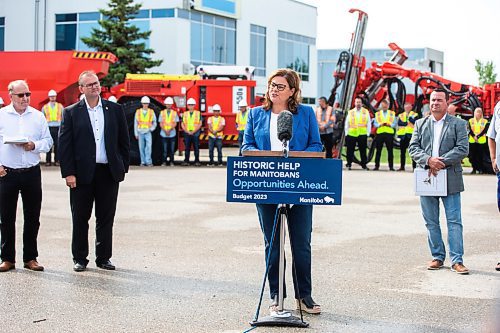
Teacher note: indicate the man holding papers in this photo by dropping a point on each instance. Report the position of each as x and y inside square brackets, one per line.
[439, 142]
[24, 135]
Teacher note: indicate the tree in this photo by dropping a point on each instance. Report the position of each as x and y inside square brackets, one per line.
[486, 72]
[119, 36]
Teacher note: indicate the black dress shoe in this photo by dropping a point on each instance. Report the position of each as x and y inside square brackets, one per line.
[79, 267]
[106, 265]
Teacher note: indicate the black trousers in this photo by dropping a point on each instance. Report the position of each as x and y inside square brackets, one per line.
[380, 140]
[477, 154]
[350, 143]
[327, 140]
[29, 184]
[404, 142]
[104, 192]
[54, 132]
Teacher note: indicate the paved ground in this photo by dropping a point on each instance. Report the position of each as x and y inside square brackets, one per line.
[190, 262]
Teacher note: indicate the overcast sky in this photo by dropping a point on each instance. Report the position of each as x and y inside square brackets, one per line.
[463, 30]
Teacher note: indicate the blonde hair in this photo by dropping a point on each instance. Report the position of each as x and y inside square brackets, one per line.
[293, 80]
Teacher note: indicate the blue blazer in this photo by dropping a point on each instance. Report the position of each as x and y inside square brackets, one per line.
[305, 136]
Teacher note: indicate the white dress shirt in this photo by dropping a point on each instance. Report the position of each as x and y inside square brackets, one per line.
[31, 125]
[438, 129]
[96, 116]
[276, 144]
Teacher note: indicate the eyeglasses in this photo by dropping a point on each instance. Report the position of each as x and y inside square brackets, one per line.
[21, 95]
[279, 87]
[91, 85]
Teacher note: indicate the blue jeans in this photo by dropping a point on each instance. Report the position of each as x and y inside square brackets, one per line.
[498, 191]
[217, 143]
[300, 229]
[145, 143]
[430, 212]
[240, 140]
[195, 140]
[168, 149]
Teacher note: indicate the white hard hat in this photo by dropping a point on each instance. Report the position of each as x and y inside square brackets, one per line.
[169, 100]
[112, 99]
[145, 100]
[82, 96]
[191, 101]
[242, 103]
[52, 93]
[1, 100]
[216, 107]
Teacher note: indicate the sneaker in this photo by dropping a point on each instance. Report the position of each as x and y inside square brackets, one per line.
[210, 164]
[171, 164]
[197, 164]
[184, 163]
[435, 265]
[459, 268]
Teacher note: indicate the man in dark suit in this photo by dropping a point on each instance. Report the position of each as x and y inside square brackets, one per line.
[94, 151]
[439, 142]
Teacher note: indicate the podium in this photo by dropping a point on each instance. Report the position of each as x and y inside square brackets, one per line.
[270, 177]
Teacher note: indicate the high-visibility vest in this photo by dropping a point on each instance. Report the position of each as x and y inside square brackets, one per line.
[477, 127]
[216, 125]
[357, 122]
[144, 121]
[53, 113]
[241, 120]
[387, 118]
[191, 119]
[408, 129]
[167, 119]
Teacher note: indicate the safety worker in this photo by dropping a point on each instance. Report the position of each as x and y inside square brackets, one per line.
[406, 122]
[2, 103]
[385, 122]
[53, 113]
[191, 125]
[357, 127]
[241, 121]
[168, 122]
[113, 99]
[216, 124]
[325, 123]
[144, 124]
[478, 148]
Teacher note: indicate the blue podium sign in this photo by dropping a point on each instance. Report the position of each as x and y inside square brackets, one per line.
[278, 180]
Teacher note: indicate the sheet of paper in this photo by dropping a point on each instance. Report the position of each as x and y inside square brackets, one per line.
[15, 139]
[426, 185]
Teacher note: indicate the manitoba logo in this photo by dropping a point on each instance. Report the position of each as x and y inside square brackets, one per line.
[329, 199]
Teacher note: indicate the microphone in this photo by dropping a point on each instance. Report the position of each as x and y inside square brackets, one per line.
[285, 126]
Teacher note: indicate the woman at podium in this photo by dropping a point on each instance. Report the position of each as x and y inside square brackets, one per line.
[261, 133]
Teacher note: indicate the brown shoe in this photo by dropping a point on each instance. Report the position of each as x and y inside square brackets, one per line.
[33, 265]
[459, 268]
[435, 265]
[6, 266]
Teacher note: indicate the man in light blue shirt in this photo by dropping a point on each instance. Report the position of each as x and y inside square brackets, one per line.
[494, 145]
[144, 124]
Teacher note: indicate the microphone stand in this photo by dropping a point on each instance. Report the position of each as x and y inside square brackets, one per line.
[281, 317]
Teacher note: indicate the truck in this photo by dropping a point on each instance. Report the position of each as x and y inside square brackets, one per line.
[59, 70]
[352, 78]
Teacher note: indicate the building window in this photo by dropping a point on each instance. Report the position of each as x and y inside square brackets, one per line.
[213, 39]
[258, 49]
[71, 28]
[2, 33]
[293, 52]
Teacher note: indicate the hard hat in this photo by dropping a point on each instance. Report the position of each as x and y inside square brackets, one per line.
[169, 100]
[191, 101]
[112, 99]
[52, 93]
[145, 100]
[216, 107]
[242, 103]
[1, 100]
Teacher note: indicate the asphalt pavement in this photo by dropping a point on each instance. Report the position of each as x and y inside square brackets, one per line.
[187, 261]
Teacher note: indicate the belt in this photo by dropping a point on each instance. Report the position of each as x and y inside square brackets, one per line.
[21, 170]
